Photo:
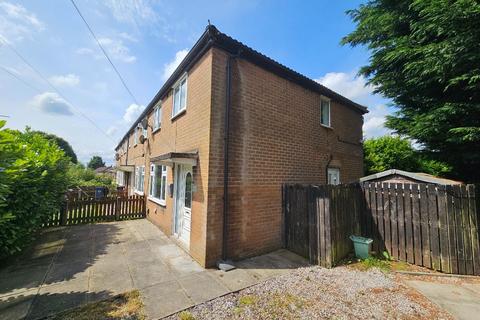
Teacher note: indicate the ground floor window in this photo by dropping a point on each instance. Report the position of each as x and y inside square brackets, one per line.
[139, 178]
[120, 178]
[158, 183]
[333, 176]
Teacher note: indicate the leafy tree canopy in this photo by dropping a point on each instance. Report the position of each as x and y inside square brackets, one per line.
[425, 56]
[96, 162]
[391, 152]
[62, 144]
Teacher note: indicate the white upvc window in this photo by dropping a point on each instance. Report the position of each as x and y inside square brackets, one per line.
[157, 117]
[179, 96]
[325, 112]
[158, 184]
[333, 176]
[139, 179]
[120, 178]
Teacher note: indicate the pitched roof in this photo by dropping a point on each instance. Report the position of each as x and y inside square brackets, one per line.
[420, 176]
[213, 37]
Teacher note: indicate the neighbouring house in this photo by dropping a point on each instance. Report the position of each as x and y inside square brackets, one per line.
[400, 176]
[212, 149]
[109, 171]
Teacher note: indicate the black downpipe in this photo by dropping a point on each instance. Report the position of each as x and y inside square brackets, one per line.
[226, 141]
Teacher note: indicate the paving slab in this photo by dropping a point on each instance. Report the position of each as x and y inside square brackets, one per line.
[164, 299]
[202, 286]
[16, 306]
[459, 300]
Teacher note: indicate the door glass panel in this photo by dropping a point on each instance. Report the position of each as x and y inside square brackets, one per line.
[188, 190]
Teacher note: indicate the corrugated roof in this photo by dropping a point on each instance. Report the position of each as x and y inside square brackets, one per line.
[213, 37]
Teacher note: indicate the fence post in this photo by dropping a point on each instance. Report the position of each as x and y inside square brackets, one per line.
[117, 208]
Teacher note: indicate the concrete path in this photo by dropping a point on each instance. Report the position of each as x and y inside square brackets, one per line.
[461, 300]
[71, 266]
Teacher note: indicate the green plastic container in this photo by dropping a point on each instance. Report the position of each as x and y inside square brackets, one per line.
[362, 246]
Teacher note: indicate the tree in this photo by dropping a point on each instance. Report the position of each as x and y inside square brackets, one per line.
[393, 152]
[425, 57]
[96, 162]
[61, 143]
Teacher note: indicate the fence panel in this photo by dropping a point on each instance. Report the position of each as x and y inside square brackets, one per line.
[427, 225]
[81, 210]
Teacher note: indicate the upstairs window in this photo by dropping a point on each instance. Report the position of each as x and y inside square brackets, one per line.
[179, 96]
[325, 112]
[157, 117]
[135, 136]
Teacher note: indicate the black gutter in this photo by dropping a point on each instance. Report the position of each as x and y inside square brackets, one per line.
[226, 143]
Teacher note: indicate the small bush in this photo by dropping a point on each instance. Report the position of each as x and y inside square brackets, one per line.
[79, 176]
[32, 183]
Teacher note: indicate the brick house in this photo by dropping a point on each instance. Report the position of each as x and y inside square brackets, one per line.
[227, 129]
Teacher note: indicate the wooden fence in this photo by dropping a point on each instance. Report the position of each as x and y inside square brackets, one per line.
[81, 211]
[428, 225]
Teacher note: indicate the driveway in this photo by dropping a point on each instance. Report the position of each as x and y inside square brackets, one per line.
[70, 266]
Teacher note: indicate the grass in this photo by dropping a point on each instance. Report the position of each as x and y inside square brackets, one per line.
[123, 306]
[185, 315]
[372, 262]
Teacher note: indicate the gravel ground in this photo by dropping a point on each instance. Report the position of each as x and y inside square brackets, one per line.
[319, 293]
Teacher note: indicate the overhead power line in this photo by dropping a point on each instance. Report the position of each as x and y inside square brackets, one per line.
[105, 53]
[19, 79]
[19, 55]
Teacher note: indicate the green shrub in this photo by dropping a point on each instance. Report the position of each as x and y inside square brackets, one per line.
[79, 176]
[32, 183]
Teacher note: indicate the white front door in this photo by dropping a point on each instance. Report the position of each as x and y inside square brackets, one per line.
[183, 202]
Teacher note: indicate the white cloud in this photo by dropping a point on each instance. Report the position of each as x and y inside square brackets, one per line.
[347, 84]
[132, 112]
[374, 125]
[170, 67]
[132, 11]
[68, 80]
[16, 22]
[112, 130]
[85, 51]
[51, 103]
[117, 50]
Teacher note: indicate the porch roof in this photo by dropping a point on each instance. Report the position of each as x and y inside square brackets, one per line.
[176, 157]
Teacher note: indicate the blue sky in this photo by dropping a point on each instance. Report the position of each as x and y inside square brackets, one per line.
[146, 40]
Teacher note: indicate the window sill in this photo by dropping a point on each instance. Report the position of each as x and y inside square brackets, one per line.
[325, 126]
[157, 201]
[156, 130]
[180, 113]
[140, 193]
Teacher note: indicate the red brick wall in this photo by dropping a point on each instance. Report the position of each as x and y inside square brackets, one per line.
[184, 133]
[276, 138]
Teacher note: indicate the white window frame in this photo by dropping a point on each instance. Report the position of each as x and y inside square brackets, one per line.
[177, 85]
[322, 101]
[120, 178]
[139, 184]
[337, 172]
[153, 184]
[157, 117]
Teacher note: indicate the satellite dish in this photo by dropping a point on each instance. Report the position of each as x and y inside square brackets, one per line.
[144, 123]
[142, 139]
[117, 156]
